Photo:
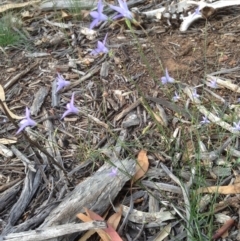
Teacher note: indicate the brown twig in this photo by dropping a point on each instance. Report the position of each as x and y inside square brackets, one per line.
[223, 229]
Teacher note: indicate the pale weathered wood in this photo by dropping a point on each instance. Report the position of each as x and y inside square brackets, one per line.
[52, 232]
[162, 186]
[38, 100]
[7, 197]
[31, 184]
[93, 193]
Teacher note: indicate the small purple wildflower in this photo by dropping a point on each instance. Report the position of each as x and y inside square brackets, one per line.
[167, 79]
[176, 97]
[195, 94]
[122, 10]
[204, 121]
[113, 172]
[236, 126]
[98, 15]
[213, 84]
[26, 122]
[71, 109]
[61, 82]
[101, 48]
[197, 11]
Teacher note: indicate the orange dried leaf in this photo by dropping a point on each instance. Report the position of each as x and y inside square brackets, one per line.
[84, 217]
[112, 234]
[231, 189]
[102, 233]
[87, 235]
[114, 220]
[142, 165]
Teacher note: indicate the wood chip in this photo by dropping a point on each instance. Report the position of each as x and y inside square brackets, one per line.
[38, 100]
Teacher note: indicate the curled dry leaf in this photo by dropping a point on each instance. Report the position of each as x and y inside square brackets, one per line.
[2, 98]
[142, 165]
[114, 220]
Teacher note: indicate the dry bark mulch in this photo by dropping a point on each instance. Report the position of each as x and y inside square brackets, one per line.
[51, 172]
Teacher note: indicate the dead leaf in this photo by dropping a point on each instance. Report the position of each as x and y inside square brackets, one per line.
[84, 13]
[110, 231]
[223, 58]
[207, 11]
[142, 166]
[65, 15]
[107, 234]
[87, 235]
[2, 98]
[115, 219]
[231, 189]
[100, 232]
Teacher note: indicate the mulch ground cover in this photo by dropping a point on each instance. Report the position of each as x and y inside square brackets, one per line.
[133, 152]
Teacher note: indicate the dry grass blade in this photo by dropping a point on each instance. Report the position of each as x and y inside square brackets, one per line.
[185, 192]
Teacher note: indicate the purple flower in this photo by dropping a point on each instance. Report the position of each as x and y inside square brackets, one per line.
[197, 11]
[101, 48]
[176, 97]
[195, 94]
[236, 126]
[71, 109]
[122, 9]
[26, 122]
[213, 84]
[167, 79]
[61, 82]
[98, 15]
[204, 121]
[114, 172]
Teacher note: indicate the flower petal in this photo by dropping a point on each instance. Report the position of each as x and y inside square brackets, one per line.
[72, 99]
[27, 113]
[164, 80]
[94, 14]
[100, 6]
[94, 23]
[103, 17]
[118, 9]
